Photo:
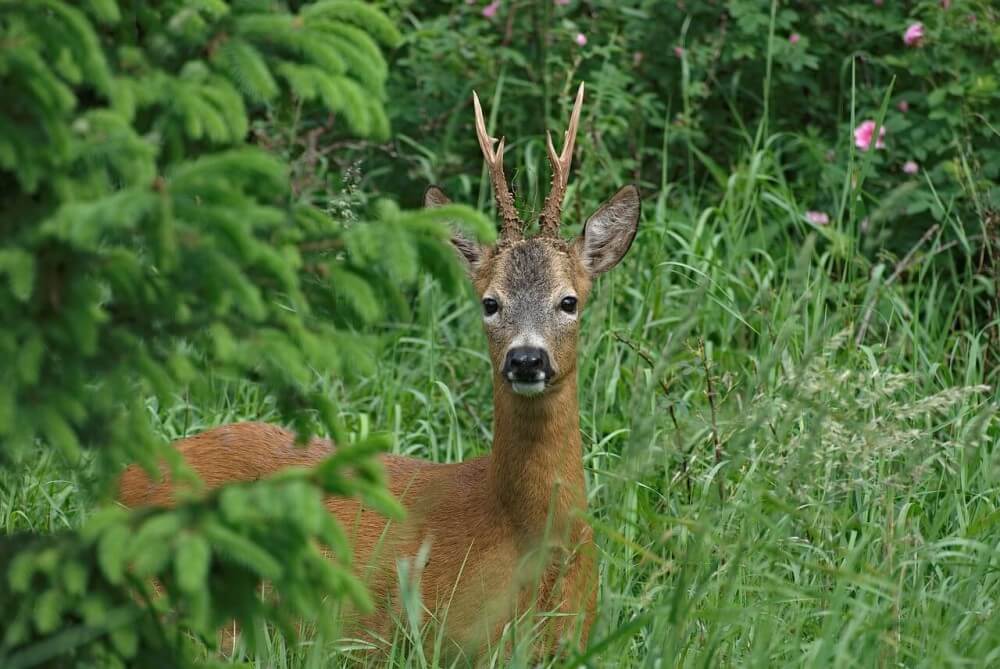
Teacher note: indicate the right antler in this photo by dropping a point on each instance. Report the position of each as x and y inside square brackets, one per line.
[511, 228]
[551, 215]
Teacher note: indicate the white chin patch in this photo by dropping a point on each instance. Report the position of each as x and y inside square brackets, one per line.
[528, 389]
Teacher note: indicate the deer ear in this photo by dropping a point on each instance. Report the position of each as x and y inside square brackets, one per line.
[435, 197]
[608, 233]
[470, 251]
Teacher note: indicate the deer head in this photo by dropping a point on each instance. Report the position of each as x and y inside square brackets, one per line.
[533, 289]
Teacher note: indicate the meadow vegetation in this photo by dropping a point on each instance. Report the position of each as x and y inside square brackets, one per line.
[788, 388]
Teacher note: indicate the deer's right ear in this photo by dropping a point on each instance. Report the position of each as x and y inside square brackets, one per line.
[470, 251]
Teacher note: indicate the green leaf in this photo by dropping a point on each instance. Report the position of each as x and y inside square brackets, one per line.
[147, 546]
[362, 15]
[191, 562]
[356, 292]
[246, 67]
[125, 639]
[74, 576]
[104, 10]
[94, 608]
[19, 266]
[242, 550]
[101, 520]
[111, 552]
[148, 559]
[21, 569]
[48, 610]
[60, 434]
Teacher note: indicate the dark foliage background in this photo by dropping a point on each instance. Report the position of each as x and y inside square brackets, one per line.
[675, 99]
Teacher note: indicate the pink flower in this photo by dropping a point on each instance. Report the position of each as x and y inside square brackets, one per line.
[580, 39]
[911, 167]
[490, 10]
[914, 35]
[903, 106]
[863, 136]
[794, 38]
[679, 51]
[818, 217]
[945, 4]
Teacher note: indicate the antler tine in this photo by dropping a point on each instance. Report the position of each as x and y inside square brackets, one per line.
[552, 210]
[511, 227]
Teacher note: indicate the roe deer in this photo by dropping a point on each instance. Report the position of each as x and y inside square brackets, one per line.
[505, 531]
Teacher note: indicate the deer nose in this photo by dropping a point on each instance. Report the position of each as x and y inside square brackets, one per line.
[527, 363]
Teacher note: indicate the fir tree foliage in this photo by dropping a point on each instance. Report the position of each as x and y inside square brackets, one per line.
[146, 242]
[72, 598]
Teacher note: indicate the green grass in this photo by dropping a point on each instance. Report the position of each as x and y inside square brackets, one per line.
[852, 515]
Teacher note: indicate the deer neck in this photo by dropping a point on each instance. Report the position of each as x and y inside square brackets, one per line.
[536, 464]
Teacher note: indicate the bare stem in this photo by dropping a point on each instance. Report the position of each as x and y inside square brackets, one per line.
[716, 439]
[665, 387]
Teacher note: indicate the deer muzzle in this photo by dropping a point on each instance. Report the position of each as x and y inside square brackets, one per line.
[528, 369]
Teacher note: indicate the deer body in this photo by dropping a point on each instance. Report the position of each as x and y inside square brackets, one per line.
[504, 533]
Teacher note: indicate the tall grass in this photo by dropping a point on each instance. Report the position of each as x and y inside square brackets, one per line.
[764, 490]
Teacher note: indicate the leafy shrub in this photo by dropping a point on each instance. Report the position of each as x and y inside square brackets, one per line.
[148, 247]
[677, 93]
[72, 597]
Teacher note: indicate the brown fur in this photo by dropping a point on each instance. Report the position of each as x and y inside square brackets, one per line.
[484, 519]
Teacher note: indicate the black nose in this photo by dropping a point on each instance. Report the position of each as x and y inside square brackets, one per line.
[527, 363]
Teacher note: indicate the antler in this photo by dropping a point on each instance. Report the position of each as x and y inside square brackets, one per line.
[552, 210]
[511, 227]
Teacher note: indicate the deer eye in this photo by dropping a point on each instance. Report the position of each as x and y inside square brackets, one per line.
[490, 306]
[568, 305]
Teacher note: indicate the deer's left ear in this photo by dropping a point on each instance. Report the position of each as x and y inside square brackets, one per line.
[608, 233]
[468, 250]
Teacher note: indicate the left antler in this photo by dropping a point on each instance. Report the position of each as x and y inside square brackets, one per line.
[552, 210]
[511, 226]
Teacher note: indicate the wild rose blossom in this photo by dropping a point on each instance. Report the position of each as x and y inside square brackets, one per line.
[911, 167]
[863, 136]
[818, 217]
[490, 10]
[914, 34]
[580, 39]
[794, 38]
